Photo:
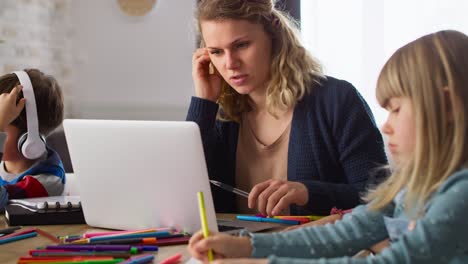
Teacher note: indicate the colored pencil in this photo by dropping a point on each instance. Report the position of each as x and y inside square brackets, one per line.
[94, 234]
[25, 231]
[142, 235]
[267, 220]
[123, 241]
[204, 222]
[63, 253]
[310, 217]
[71, 247]
[301, 220]
[73, 261]
[172, 241]
[172, 259]
[47, 235]
[16, 238]
[145, 258]
[63, 258]
[130, 250]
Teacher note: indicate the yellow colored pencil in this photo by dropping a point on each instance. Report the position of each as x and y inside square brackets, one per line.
[204, 222]
[80, 241]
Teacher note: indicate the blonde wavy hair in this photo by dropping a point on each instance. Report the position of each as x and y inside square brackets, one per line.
[293, 70]
[431, 72]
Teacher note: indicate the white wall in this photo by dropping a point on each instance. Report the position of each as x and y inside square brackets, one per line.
[353, 39]
[131, 67]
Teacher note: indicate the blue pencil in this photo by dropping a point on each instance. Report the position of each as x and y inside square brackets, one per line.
[160, 234]
[268, 220]
[146, 258]
[16, 238]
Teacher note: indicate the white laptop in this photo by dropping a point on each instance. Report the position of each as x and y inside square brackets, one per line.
[141, 174]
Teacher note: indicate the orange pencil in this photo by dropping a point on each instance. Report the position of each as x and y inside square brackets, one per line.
[47, 235]
[123, 241]
[302, 220]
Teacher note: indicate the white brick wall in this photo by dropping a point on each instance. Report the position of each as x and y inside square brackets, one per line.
[37, 34]
[110, 65]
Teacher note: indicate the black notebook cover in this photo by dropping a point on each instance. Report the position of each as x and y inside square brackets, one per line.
[17, 215]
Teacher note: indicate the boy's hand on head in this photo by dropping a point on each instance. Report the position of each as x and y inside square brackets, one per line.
[9, 109]
[222, 245]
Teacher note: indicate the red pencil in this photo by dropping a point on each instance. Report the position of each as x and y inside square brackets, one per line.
[172, 260]
[172, 241]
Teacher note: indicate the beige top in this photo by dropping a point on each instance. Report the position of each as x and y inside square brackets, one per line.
[256, 162]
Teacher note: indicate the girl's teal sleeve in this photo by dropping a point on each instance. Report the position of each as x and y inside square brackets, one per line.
[441, 236]
[358, 230]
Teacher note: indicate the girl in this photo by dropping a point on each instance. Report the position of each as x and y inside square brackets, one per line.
[422, 208]
[293, 137]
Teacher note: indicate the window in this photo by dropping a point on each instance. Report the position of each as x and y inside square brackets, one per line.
[353, 39]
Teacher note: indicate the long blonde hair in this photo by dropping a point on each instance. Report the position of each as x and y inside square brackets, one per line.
[431, 72]
[293, 70]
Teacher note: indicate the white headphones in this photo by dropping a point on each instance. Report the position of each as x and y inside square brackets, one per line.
[31, 143]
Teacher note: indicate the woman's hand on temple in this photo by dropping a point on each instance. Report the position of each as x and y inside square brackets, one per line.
[207, 85]
[273, 196]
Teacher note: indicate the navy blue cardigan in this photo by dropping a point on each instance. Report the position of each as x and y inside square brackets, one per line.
[335, 148]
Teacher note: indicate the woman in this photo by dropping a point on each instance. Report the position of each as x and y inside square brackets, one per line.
[421, 208]
[271, 122]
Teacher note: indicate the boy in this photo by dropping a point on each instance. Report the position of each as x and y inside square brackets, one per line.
[23, 176]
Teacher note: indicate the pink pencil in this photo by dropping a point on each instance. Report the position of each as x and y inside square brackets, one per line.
[26, 231]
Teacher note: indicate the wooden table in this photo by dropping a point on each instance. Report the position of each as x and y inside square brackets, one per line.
[9, 253]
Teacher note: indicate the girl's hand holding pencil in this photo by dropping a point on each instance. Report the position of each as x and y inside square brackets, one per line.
[205, 245]
[222, 245]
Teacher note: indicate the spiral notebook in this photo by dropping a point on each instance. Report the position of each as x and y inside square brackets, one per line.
[45, 211]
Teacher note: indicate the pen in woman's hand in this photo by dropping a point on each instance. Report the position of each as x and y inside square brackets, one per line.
[230, 188]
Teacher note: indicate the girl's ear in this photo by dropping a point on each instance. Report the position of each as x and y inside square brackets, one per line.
[448, 103]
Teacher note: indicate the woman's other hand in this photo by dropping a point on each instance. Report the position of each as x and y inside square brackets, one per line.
[273, 196]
